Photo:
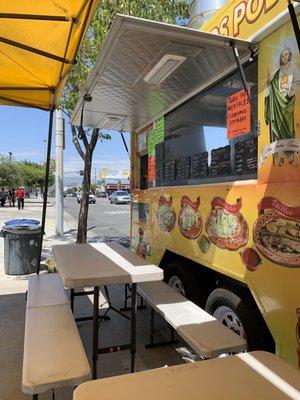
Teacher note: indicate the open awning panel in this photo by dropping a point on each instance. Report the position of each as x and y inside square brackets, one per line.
[38, 44]
[123, 98]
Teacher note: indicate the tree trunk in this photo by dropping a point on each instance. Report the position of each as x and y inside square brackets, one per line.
[84, 206]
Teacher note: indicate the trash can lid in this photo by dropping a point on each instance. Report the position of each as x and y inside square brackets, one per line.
[21, 222]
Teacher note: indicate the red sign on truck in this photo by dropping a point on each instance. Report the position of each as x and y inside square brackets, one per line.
[238, 114]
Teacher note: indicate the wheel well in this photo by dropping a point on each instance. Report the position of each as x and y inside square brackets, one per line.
[209, 280]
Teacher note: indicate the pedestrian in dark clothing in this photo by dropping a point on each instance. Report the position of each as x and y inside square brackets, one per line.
[20, 194]
[12, 197]
[2, 197]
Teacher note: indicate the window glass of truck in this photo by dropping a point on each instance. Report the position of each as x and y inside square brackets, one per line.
[196, 148]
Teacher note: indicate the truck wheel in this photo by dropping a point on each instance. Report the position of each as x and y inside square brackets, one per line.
[237, 311]
[184, 280]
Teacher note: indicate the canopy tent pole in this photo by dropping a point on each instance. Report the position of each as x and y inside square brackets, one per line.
[46, 185]
[294, 21]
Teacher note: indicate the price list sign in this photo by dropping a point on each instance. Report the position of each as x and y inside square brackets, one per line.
[238, 114]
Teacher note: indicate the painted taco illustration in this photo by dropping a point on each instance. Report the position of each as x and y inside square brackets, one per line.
[189, 219]
[225, 225]
[276, 232]
[165, 215]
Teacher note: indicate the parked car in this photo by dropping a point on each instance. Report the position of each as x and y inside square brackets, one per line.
[119, 197]
[92, 198]
[102, 194]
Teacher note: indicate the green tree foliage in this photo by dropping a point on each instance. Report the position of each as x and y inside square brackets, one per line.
[9, 173]
[170, 11]
[33, 174]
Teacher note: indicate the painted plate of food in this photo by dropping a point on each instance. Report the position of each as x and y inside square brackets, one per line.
[189, 219]
[226, 226]
[278, 238]
[165, 215]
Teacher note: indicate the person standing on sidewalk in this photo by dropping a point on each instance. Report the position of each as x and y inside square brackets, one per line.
[20, 194]
[2, 197]
[12, 197]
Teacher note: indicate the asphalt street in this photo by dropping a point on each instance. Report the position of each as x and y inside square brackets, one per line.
[107, 221]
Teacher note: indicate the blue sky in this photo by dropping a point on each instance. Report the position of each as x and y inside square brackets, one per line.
[23, 131]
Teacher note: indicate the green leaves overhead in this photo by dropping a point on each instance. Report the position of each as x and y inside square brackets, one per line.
[174, 11]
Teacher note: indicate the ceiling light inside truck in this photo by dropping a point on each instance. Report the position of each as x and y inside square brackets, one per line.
[164, 68]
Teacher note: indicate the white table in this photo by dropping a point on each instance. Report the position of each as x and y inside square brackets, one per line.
[247, 376]
[96, 264]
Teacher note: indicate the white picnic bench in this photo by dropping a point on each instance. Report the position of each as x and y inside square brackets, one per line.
[53, 352]
[206, 336]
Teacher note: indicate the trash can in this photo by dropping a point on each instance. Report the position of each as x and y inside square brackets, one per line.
[21, 243]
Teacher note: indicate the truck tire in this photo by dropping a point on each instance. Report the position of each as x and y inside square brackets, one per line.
[184, 279]
[236, 310]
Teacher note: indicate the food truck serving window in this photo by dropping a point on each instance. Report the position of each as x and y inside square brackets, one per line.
[197, 145]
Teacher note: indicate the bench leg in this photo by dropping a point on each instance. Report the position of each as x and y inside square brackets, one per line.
[153, 331]
[72, 300]
[127, 296]
[133, 324]
[95, 330]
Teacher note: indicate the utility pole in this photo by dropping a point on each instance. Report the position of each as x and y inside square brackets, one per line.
[59, 184]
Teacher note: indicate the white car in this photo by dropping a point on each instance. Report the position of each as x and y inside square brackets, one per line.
[92, 198]
[120, 197]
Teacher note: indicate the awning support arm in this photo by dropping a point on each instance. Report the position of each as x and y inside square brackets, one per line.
[46, 186]
[125, 144]
[34, 50]
[243, 77]
[294, 22]
[240, 67]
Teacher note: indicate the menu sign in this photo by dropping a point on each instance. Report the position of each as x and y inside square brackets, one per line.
[159, 162]
[159, 130]
[183, 168]
[151, 156]
[142, 143]
[220, 161]
[170, 171]
[246, 156]
[199, 167]
[238, 114]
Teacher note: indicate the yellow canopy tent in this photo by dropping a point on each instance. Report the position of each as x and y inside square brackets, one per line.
[38, 46]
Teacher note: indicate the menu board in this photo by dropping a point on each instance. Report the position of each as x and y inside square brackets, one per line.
[183, 168]
[159, 162]
[199, 167]
[246, 156]
[170, 171]
[220, 161]
[159, 130]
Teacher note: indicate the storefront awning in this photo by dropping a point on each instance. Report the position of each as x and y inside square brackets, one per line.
[146, 68]
[38, 45]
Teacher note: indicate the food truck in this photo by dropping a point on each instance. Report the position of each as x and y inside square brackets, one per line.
[215, 159]
[215, 182]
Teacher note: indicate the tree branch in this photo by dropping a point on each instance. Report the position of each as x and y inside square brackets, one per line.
[94, 139]
[76, 142]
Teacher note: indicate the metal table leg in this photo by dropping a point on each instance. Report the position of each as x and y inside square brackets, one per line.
[95, 330]
[133, 324]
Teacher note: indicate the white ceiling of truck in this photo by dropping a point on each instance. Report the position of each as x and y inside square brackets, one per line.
[133, 47]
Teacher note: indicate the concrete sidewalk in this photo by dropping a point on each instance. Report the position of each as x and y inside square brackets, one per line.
[117, 330]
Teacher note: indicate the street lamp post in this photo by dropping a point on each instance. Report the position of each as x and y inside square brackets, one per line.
[10, 156]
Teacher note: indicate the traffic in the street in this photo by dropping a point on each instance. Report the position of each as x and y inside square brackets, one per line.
[108, 221]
